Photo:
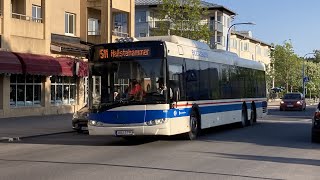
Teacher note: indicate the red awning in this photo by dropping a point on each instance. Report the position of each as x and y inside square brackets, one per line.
[83, 69]
[67, 66]
[9, 63]
[39, 64]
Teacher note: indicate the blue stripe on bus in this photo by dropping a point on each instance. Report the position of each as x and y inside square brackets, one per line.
[141, 116]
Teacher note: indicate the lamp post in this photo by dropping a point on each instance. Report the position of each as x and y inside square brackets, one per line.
[228, 33]
[303, 74]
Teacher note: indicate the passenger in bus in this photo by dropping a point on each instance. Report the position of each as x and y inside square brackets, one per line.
[162, 87]
[116, 94]
[136, 91]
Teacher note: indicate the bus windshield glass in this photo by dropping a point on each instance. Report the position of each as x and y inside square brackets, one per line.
[126, 82]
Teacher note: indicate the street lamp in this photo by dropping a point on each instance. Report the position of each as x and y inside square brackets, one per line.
[303, 74]
[228, 34]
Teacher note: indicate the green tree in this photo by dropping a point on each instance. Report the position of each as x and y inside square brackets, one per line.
[287, 68]
[316, 56]
[312, 71]
[186, 18]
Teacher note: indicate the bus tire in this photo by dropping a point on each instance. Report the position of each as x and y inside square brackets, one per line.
[253, 116]
[194, 126]
[244, 116]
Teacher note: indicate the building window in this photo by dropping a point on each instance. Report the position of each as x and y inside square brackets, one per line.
[244, 46]
[70, 23]
[63, 90]
[234, 43]
[36, 13]
[93, 26]
[266, 53]
[25, 90]
[220, 40]
[142, 34]
[258, 50]
[120, 24]
[141, 16]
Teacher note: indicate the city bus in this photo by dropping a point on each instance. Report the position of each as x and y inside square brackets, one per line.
[169, 85]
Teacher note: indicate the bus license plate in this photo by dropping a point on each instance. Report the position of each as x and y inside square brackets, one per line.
[124, 133]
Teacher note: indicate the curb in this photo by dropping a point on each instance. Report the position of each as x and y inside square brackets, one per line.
[12, 139]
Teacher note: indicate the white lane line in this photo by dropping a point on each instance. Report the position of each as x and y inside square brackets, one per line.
[288, 121]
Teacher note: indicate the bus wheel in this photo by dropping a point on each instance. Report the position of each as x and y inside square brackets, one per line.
[244, 116]
[194, 127]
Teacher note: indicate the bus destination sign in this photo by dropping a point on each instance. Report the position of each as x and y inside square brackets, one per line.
[122, 53]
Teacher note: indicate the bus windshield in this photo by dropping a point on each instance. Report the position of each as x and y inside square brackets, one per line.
[117, 83]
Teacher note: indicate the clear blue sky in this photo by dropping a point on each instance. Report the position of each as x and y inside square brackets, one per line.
[280, 20]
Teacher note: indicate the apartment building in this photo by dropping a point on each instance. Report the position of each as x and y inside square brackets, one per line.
[103, 21]
[41, 57]
[218, 20]
[245, 46]
[43, 48]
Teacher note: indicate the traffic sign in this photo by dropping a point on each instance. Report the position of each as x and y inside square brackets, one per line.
[306, 79]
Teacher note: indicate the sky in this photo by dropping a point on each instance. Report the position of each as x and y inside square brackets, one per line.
[278, 21]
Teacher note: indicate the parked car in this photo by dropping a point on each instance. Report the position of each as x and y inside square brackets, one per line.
[315, 131]
[80, 120]
[293, 101]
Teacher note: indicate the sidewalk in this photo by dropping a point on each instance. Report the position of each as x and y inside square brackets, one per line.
[22, 127]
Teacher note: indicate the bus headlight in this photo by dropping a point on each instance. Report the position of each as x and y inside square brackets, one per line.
[92, 123]
[156, 122]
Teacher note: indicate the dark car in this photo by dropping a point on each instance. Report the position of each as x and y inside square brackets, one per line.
[80, 120]
[315, 131]
[293, 101]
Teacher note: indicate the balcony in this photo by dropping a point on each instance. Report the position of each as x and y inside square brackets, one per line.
[26, 18]
[119, 33]
[213, 25]
[216, 26]
[94, 37]
[26, 26]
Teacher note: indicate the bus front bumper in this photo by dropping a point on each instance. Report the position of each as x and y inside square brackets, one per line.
[162, 129]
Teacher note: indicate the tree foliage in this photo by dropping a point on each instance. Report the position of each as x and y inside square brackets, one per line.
[182, 18]
[286, 68]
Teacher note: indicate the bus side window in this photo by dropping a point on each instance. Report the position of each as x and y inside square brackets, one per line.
[192, 79]
[176, 80]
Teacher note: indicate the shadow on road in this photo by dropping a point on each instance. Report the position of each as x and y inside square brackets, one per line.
[74, 138]
[279, 134]
[287, 160]
[276, 113]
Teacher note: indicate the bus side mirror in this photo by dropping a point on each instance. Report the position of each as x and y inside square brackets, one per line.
[319, 105]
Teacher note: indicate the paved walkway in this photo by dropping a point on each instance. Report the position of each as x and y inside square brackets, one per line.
[21, 127]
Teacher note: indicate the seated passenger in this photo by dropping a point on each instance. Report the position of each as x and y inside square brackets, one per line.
[162, 87]
[136, 91]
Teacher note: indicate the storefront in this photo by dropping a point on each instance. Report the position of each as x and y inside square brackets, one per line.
[32, 85]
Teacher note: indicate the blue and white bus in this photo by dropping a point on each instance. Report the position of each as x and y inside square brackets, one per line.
[170, 85]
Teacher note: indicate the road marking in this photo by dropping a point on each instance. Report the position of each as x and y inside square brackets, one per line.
[10, 139]
[288, 121]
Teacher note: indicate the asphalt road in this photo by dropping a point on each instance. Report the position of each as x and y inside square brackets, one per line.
[278, 147]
